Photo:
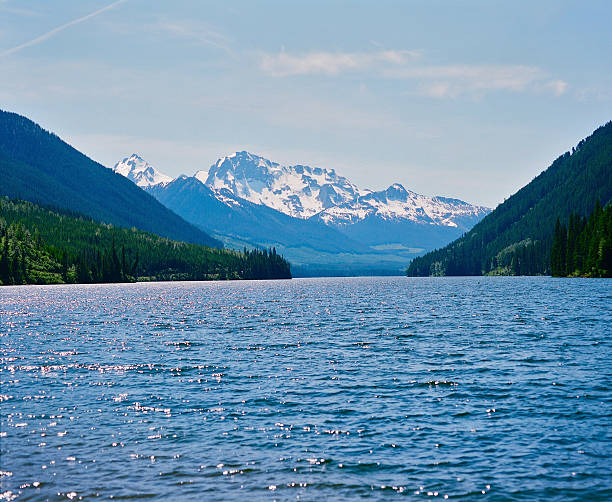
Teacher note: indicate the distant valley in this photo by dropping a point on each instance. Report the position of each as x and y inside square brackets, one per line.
[322, 222]
[86, 220]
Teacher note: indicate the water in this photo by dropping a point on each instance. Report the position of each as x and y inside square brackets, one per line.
[311, 389]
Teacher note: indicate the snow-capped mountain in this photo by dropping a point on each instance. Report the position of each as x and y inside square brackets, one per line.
[305, 192]
[140, 171]
[299, 191]
[311, 192]
[397, 203]
[319, 220]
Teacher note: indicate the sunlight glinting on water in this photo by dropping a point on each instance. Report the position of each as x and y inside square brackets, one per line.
[307, 389]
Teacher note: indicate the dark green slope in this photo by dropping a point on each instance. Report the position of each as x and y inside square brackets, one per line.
[584, 247]
[38, 166]
[41, 246]
[516, 238]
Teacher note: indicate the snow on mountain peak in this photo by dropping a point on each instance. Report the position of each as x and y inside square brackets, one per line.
[304, 192]
[140, 171]
[311, 192]
[299, 191]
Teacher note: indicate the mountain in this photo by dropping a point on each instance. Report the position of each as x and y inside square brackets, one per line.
[400, 217]
[396, 203]
[38, 166]
[140, 172]
[313, 248]
[306, 192]
[223, 211]
[517, 237]
[315, 217]
[299, 191]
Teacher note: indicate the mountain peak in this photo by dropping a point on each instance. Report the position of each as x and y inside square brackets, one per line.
[138, 170]
[397, 187]
[302, 191]
[299, 191]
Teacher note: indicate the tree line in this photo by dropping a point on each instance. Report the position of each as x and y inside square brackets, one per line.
[36, 165]
[517, 237]
[45, 246]
[584, 246]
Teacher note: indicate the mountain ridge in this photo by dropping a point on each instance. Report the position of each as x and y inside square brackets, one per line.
[313, 216]
[311, 192]
[516, 238]
[38, 166]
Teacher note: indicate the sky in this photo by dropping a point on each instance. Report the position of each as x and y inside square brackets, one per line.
[469, 99]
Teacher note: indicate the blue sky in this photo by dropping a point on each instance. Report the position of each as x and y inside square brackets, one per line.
[468, 99]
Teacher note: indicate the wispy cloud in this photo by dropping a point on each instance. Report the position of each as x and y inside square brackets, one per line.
[515, 77]
[331, 63]
[558, 87]
[454, 80]
[438, 81]
[54, 31]
[198, 32]
[595, 93]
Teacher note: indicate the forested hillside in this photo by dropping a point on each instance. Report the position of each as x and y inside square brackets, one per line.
[41, 246]
[38, 166]
[584, 246]
[517, 237]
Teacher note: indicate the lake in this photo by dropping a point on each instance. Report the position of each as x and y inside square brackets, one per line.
[309, 389]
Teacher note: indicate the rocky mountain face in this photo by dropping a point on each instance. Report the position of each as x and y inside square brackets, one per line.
[299, 191]
[312, 215]
[306, 192]
[138, 170]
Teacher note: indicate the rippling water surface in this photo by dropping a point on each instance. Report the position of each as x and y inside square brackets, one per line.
[310, 389]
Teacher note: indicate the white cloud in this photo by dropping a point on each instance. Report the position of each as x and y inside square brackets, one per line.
[477, 77]
[453, 80]
[17, 11]
[438, 90]
[330, 63]
[54, 31]
[438, 81]
[594, 93]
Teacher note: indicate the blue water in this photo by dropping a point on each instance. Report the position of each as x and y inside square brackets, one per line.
[310, 389]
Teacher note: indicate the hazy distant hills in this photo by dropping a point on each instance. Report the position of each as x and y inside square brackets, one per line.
[311, 247]
[320, 220]
[38, 166]
[516, 238]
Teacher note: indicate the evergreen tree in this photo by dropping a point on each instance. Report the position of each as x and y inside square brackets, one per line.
[571, 185]
[585, 248]
[4, 259]
[41, 246]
